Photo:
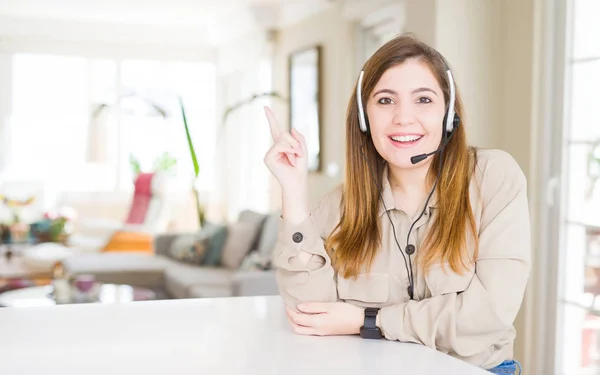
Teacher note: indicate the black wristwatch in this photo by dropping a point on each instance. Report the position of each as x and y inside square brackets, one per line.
[370, 330]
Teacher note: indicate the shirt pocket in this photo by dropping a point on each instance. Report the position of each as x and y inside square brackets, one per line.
[366, 287]
[442, 280]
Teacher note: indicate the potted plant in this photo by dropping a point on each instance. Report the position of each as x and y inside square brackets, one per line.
[164, 161]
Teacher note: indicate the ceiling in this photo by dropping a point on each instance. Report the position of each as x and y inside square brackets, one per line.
[183, 22]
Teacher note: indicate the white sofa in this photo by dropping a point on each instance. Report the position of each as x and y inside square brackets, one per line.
[171, 278]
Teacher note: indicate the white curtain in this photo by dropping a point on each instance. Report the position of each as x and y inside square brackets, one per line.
[243, 139]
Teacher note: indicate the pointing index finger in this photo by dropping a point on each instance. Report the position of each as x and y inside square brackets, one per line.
[275, 130]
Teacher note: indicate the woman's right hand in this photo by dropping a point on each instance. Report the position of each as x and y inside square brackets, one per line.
[287, 159]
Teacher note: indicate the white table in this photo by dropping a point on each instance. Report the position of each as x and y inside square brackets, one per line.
[244, 335]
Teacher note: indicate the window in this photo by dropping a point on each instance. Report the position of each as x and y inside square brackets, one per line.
[49, 117]
[580, 306]
[76, 123]
[146, 135]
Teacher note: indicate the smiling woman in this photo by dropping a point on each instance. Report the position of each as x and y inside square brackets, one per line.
[411, 248]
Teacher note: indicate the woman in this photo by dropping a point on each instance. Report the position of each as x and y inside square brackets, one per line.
[427, 240]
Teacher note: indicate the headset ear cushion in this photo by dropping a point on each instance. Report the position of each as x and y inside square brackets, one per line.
[456, 121]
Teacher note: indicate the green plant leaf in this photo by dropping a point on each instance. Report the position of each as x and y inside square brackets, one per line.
[189, 139]
[164, 162]
[134, 163]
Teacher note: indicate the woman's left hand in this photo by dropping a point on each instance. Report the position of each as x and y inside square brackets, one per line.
[326, 318]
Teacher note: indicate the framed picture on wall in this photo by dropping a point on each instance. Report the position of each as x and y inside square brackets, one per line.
[305, 100]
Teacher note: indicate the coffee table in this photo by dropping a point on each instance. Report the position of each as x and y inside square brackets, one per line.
[42, 296]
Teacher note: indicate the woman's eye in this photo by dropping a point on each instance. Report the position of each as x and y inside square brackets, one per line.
[385, 101]
[424, 100]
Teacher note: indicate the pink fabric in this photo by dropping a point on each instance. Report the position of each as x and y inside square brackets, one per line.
[141, 198]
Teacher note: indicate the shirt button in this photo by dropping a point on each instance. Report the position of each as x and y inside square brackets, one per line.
[410, 249]
[297, 237]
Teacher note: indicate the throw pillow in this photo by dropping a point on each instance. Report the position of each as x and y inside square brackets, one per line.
[238, 244]
[189, 248]
[217, 235]
[255, 219]
[123, 241]
[254, 262]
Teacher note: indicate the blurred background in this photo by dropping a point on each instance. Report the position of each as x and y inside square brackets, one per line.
[133, 132]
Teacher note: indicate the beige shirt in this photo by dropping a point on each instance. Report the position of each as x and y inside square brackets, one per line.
[468, 316]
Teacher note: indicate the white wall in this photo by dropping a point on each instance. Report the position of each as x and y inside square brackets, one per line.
[473, 48]
[336, 36]
[467, 33]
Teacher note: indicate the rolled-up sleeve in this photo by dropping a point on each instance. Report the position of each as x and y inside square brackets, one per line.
[471, 321]
[300, 281]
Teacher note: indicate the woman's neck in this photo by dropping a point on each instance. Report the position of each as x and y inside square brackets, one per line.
[409, 186]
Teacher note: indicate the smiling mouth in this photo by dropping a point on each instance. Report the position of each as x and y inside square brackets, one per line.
[406, 139]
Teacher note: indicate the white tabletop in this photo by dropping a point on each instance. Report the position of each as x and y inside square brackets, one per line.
[245, 335]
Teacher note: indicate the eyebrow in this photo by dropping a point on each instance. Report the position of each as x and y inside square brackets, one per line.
[415, 91]
[424, 89]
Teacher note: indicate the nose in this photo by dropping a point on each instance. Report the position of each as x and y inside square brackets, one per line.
[403, 113]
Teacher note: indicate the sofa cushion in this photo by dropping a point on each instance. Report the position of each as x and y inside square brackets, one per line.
[179, 278]
[120, 268]
[256, 220]
[237, 244]
[210, 291]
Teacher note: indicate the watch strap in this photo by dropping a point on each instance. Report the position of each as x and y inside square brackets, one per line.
[369, 330]
[371, 317]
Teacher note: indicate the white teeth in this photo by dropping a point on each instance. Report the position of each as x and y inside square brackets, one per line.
[406, 138]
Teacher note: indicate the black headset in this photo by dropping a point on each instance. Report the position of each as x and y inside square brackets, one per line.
[450, 124]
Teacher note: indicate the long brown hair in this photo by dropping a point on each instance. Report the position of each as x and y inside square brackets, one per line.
[357, 237]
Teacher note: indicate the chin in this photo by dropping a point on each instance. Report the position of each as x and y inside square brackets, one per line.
[402, 159]
[406, 163]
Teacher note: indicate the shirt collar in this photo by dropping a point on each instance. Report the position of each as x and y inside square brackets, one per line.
[388, 197]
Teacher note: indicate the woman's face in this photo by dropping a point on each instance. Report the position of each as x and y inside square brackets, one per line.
[406, 111]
